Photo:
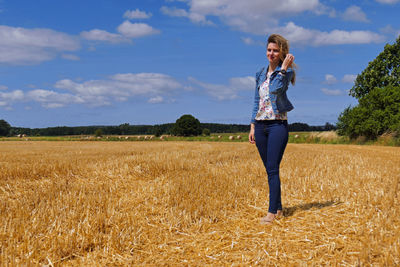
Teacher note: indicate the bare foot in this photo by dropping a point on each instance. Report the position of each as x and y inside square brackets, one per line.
[268, 219]
[279, 214]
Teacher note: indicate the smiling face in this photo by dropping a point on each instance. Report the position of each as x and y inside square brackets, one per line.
[273, 54]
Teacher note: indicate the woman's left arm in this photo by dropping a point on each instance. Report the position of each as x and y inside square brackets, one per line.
[281, 82]
[287, 62]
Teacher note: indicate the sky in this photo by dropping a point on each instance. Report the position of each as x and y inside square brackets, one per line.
[108, 62]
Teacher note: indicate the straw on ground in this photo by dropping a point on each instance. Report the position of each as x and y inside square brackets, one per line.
[174, 203]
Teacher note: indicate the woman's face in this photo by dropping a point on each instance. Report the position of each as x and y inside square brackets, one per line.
[273, 53]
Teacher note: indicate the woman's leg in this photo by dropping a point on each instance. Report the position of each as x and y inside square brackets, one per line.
[271, 139]
[277, 141]
[261, 137]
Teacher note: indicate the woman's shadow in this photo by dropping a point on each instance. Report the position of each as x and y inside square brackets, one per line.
[287, 212]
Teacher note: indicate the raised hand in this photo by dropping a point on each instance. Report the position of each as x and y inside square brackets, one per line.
[288, 61]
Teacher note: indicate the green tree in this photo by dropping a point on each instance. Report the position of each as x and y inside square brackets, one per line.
[98, 133]
[187, 125]
[5, 128]
[329, 127]
[376, 113]
[124, 128]
[158, 131]
[206, 132]
[383, 71]
[377, 89]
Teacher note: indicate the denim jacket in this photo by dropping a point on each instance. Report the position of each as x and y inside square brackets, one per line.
[278, 85]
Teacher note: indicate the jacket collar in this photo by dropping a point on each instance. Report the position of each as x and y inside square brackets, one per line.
[277, 69]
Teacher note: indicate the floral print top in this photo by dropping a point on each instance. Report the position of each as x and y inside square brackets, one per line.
[265, 111]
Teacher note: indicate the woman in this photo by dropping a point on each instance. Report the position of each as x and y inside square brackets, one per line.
[269, 128]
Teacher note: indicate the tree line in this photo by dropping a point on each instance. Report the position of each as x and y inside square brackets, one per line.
[127, 129]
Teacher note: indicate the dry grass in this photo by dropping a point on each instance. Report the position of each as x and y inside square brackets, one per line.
[184, 203]
[326, 136]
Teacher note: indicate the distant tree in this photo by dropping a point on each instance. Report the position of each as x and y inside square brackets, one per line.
[124, 128]
[5, 128]
[383, 71]
[98, 132]
[299, 127]
[158, 131]
[206, 132]
[329, 127]
[187, 125]
[376, 113]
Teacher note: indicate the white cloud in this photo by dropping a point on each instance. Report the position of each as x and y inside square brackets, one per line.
[179, 12]
[247, 40]
[16, 95]
[242, 83]
[70, 57]
[354, 13]
[29, 46]
[330, 79]
[255, 16]
[327, 91]
[41, 38]
[388, 29]
[101, 35]
[349, 78]
[156, 100]
[262, 17]
[251, 41]
[298, 34]
[174, 12]
[51, 99]
[226, 92]
[156, 87]
[136, 14]
[136, 30]
[387, 1]
[127, 30]
[8, 98]
[121, 87]
[22, 56]
[48, 99]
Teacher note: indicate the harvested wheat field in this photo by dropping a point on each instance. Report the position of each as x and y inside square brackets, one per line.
[194, 203]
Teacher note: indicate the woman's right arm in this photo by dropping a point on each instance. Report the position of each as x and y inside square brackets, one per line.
[255, 107]
[251, 134]
[253, 116]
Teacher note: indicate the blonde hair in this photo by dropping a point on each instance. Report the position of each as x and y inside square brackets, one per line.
[283, 49]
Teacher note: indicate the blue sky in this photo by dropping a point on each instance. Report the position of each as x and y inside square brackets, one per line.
[107, 62]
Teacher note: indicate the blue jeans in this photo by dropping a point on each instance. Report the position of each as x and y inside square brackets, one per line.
[271, 138]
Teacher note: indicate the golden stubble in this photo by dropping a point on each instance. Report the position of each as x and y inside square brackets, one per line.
[196, 203]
